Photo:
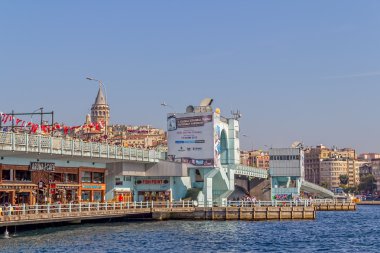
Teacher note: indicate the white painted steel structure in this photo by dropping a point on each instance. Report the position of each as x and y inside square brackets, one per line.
[39, 144]
[249, 171]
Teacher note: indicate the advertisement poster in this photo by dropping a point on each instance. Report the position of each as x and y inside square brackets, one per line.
[191, 138]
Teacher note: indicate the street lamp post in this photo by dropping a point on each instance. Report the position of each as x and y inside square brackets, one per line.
[41, 119]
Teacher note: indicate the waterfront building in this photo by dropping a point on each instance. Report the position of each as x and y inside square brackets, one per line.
[365, 170]
[314, 156]
[209, 144]
[30, 181]
[287, 172]
[375, 165]
[255, 158]
[333, 168]
[163, 181]
[368, 156]
[245, 159]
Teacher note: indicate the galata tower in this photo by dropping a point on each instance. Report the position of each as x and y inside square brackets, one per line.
[100, 111]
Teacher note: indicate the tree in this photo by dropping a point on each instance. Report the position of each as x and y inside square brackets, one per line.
[368, 184]
[343, 179]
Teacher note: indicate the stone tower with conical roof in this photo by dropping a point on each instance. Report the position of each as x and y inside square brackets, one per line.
[100, 111]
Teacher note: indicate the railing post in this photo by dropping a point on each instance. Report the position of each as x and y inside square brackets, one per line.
[70, 207]
[97, 206]
[39, 143]
[23, 209]
[72, 147]
[13, 140]
[114, 203]
[128, 205]
[62, 145]
[48, 208]
[59, 208]
[81, 147]
[89, 206]
[26, 142]
[80, 207]
[152, 204]
[106, 206]
[36, 210]
[134, 205]
[51, 144]
[121, 205]
[167, 204]
[183, 203]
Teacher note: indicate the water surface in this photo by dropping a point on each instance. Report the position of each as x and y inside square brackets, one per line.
[331, 231]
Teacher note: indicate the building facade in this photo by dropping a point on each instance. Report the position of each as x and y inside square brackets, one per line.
[26, 181]
[332, 168]
[315, 155]
[255, 158]
[287, 172]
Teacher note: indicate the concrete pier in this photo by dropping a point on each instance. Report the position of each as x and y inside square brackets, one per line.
[336, 207]
[237, 213]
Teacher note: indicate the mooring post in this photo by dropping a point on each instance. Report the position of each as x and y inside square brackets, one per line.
[6, 233]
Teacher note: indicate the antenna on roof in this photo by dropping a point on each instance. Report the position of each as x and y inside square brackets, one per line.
[236, 114]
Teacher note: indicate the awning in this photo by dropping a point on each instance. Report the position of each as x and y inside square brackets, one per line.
[122, 189]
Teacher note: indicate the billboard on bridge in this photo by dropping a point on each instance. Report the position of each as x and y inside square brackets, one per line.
[191, 138]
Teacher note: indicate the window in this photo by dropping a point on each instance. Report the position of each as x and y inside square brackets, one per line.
[86, 195]
[127, 178]
[97, 196]
[98, 177]
[86, 176]
[6, 175]
[71, 178]
[118, 181]
[57, 177]
[23, 175]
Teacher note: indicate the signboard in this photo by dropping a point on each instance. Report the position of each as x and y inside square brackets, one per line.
[93, 187]
[191, 138]
[152, 181]
[42, 166]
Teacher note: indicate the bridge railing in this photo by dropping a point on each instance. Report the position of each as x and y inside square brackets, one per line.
[24, 142]
[301, 202]
[249, 171]
[89, 207]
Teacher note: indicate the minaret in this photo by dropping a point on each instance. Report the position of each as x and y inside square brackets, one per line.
[100, 111]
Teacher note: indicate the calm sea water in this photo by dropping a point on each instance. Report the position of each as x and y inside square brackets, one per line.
[331, 231]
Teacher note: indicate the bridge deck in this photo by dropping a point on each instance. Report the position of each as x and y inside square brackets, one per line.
[249, 171]
[11, 143]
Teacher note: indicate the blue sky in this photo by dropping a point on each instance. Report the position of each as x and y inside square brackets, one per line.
[298, 70]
